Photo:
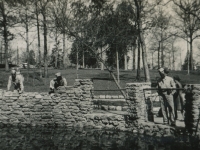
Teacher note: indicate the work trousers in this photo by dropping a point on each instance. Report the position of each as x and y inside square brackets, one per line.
[167, 105]
[17, 86]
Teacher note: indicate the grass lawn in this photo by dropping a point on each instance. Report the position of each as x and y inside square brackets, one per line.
[102, 79]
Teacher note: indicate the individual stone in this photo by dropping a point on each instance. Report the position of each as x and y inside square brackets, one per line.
[111, 107]
[46, 116]
[104, 107]
[38, 96]
[9, 101]
[119, 108]
[46, 97]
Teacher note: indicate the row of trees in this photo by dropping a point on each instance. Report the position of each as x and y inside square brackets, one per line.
[99, 27]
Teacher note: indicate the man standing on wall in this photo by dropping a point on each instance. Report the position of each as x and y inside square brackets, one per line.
[165, 91]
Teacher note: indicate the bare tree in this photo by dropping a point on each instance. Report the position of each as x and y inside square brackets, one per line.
[7, 21]
[44, 6]
[161, 33]
[26, 22]
[188, 16]
[92, 32]
[141, 10]
[60, 13]
[37, 13]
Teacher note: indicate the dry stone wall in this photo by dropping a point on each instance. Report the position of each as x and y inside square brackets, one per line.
[136, 98]
[71, 107]
[192, 108]
[65, 108]
[74, 107]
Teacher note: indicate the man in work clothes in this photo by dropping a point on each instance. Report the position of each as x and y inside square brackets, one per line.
[57, 82]
[178, 97]
[17, 80]
[165, 84]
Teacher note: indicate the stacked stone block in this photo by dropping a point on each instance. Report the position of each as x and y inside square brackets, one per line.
[107, 121]
[136, 98]
[84, 94]
[192, 105]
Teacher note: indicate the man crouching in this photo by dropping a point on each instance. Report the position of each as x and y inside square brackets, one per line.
[17, 80]
[57, 82]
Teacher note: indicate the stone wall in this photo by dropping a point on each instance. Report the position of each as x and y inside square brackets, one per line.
[141, 110]
[65, 108]
[71, 107]
[137, 99]
[192, 107]
[74, 107]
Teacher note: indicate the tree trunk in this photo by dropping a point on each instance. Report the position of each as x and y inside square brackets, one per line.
[56, 57]
[134, 60]
[125, 61]
[117, 63]
[1, 52]
[142, 42]
[144, 58]
[173, 59]
[27, 42]
[102, 59]
[65, 53]
[38, 33]
[159, 55]
[162, 51]
[152, 61]
[45, 45]
[170, 66]
[17, 56]
[180, 61]
[6, 51]
[5, 36]
[188, 58]
[191, 54]
[138, 62]
[77, 63]
[83, 58]
[162, 55]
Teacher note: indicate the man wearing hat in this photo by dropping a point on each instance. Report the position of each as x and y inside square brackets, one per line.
[17, 80]
[57, 82]
[165, 84]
